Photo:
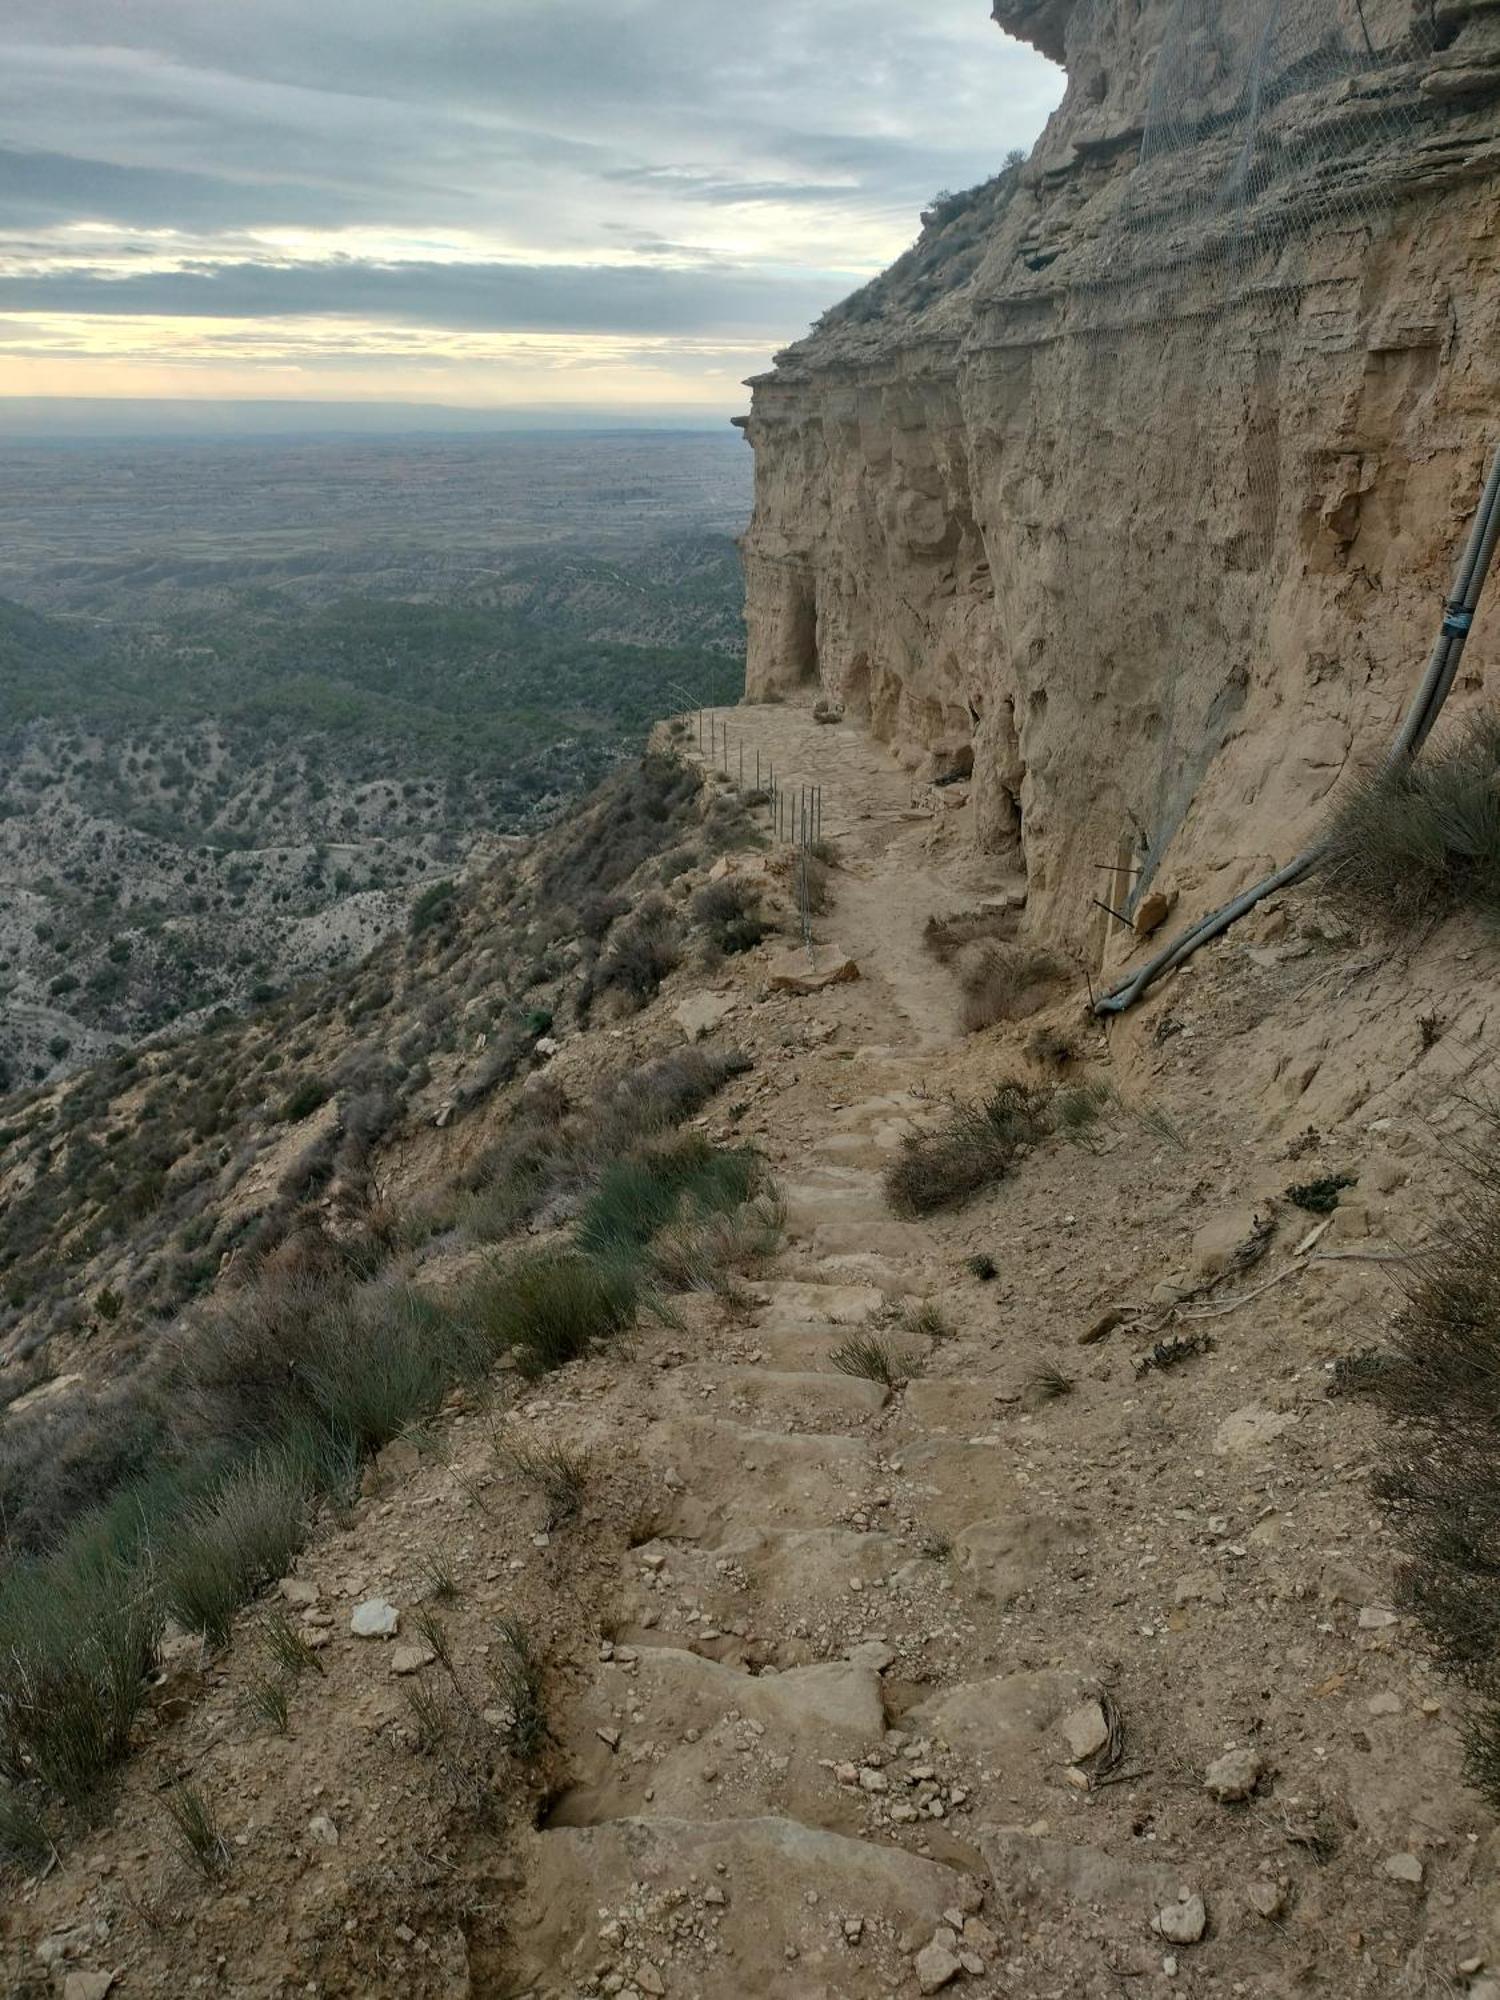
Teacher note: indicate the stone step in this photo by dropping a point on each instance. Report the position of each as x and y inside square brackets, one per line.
[724, 1601]
[773, 1398]
[721, 1477]
[1007, 1728]
[946, 1485]
[673, 1735]
[724, 1909]
[795, 1301]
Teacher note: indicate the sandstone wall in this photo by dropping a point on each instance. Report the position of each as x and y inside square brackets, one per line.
[1144, 502]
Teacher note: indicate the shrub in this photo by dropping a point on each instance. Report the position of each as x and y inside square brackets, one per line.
[231, 1546]
[303, 1100]
[642, 950]
[729, 912]
[640, 1195]
[1441, 1483]
[1001, 982]
[77, 1636]
[974, 1146]
[550, 1307]
[559, 1475]
[519, 1678]
[1417, 841]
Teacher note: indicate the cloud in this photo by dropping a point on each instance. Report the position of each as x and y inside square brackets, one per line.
[621, 166]
[626, 298]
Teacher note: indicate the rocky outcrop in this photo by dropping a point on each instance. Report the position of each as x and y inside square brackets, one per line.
[1135, 485]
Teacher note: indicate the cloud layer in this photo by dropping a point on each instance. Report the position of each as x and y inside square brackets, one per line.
[197, 197]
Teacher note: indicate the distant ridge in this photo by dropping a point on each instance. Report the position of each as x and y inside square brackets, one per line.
[83, 418]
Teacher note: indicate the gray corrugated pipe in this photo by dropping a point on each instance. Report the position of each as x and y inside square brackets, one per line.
[1426, 705]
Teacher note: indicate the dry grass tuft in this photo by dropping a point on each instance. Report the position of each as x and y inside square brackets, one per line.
[1440, 1387]
[975, 1146]
[1415, 843]
[1003, 982]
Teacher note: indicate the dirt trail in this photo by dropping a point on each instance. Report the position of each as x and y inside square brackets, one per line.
[1003, 1666]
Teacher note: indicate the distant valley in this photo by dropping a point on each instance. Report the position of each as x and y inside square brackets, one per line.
[255, 699]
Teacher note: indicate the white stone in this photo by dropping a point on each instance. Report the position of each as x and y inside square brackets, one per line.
[935, 1966]
[374, 1619]
[1233, 1776]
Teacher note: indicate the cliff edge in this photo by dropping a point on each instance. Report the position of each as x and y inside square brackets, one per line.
[1134, 487]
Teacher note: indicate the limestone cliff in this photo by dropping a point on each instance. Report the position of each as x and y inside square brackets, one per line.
[1136, 484]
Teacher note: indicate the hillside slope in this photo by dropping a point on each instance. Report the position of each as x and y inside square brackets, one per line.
[949, 1597]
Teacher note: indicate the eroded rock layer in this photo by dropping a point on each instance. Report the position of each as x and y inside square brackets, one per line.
[1137, 483]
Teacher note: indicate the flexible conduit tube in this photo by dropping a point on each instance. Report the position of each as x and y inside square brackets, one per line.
[1423, 711]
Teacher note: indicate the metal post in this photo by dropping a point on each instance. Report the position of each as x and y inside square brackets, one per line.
[742, 767]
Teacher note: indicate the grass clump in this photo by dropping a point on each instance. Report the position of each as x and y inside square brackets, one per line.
[1422, 839]
[867, 1356]
[636, 1197]
[1440, 1387]
[288, 1649]
[197, 1832]
[24, 1840]
[549, 1308]
[77, 1637]
[974, 1147]
[519, 1675]
[559, 1475]
[233, 1545]
[266, 1701]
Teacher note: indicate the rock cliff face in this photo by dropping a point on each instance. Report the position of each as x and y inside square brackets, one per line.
[1135, 486]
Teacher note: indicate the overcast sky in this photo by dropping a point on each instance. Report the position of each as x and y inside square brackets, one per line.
[603, 204]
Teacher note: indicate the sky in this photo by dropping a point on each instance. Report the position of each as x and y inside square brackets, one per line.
[602, 205]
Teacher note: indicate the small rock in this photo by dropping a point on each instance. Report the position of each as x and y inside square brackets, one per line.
[649, 1979]
[374, 1619]
[1402, 1867]
[1152, 911]
[1233, 1776]
[810, 972]
[411, 1659]
[610, 1738]
[935, 1966]
[1085, 1731]
[323, 1830]
[874, 1781]
[1265, 1897]
[1376, 1618]
[1183, 1922]
[88, 1985]
[297, 1590]
[1386, 1703]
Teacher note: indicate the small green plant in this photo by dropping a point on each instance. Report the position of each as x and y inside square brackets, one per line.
[520, 1678]
[434, 1633]
[439, 1578]
[288, 1648]
[982, 1266]
[864, 1354]
[266, 1701]
[1361, 1373]
[1049, 1385]
[559, 1475]
[197, 1832]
